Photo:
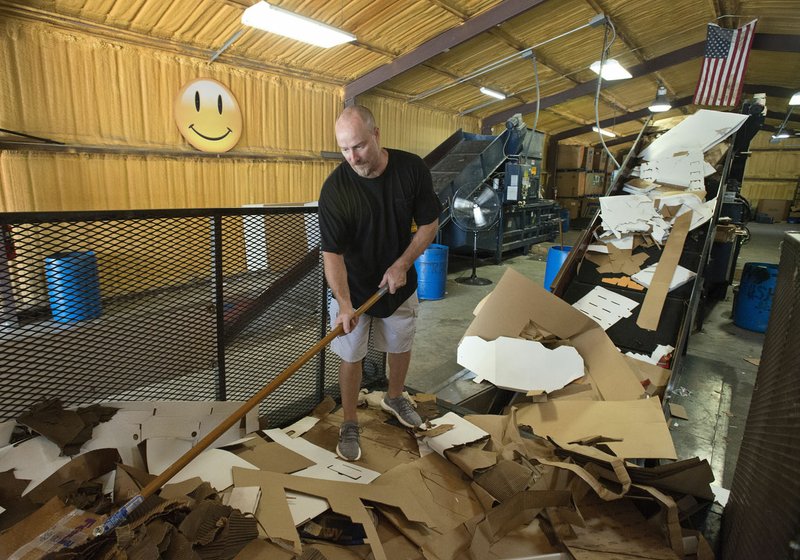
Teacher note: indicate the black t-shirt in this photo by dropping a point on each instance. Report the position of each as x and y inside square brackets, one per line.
[369, 222]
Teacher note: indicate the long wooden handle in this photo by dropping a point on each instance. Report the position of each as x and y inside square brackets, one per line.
[153, 486]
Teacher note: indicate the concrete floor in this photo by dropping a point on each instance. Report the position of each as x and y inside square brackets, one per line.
[716, 380]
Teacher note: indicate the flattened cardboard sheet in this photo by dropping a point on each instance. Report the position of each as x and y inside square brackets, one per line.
[640, 425]
[519, 365]
[344, 497]
[517, 300]
[650, 314]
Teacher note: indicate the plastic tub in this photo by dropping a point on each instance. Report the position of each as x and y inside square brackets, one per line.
[73, 286]
[432, 272]
[555, 259]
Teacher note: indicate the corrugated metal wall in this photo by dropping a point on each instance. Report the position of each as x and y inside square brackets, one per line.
[89, 92]
[773, 170]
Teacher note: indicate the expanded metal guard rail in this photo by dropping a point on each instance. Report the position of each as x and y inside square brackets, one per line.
[206, 304]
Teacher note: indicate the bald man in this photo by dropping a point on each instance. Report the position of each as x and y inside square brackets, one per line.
[366, 209]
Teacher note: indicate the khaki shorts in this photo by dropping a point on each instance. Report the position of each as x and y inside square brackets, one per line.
[394, 334]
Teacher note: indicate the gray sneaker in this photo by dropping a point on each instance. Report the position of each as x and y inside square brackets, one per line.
[348, 448]
[402, 410]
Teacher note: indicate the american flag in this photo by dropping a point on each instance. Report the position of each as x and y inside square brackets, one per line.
[724, 65]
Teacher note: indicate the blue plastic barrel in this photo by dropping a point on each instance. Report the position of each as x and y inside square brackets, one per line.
[73, 286]
[555, 258]
[753, 301]
[565, 219]
[431, 272]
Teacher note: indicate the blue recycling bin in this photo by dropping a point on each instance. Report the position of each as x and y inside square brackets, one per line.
[431, 268]
[73, 286]
[555, 259]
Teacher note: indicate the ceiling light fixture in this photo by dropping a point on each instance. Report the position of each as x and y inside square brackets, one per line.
[661, 102]
[492, 93]
[276, 20]
[612, 70]
[604, 132]
[782, 133]
[795, 99]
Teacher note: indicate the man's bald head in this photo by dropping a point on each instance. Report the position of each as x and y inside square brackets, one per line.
[359, 140]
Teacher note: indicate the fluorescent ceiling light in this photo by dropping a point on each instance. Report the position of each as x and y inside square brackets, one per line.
[492, 93]
[603, 131]
[795, 100]
[661, 103]
[276, 20]
[782, 133]
[612, 70]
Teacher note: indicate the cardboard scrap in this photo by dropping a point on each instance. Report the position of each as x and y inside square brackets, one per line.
[680, 277]
[344, 498]
[616, 528]
[519, 365]
[605, 307]
[650, 314]
[683, 169]
[623, 282]
[517, 300]
[68, 429]
[70, 476]
[678, 411]
[463, 432]
[51, 528]
[702, 130]
[272, 456]
[640, 425]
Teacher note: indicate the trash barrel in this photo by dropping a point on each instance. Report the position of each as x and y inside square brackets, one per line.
[565, 219]
[555, 258]
[753, 301]
[432, 272]
[73, 286]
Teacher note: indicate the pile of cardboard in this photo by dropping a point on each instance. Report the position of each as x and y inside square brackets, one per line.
[484, 486]
[640, 265]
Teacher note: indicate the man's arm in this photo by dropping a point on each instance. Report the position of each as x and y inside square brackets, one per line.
[395, 275]
[336, 275]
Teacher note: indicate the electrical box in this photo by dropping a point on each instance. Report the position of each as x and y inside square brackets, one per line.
[520, 182]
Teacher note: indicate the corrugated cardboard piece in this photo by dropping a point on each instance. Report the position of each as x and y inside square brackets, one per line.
[345, 498]
[517, 300]
[638, 425]
[650, 314]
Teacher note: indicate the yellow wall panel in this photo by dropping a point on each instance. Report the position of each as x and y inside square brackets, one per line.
[775, 190]
[87, 92]
[37, 181]
[413, 128]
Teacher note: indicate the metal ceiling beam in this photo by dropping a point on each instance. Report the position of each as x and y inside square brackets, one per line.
[587, 88]
[771, 91]
[762, 41]
[619, 140]
[447, 40]
[618, 119]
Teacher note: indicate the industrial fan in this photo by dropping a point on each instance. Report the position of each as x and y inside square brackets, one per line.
[475, 209]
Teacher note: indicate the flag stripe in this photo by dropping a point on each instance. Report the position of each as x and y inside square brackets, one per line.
[724, 65]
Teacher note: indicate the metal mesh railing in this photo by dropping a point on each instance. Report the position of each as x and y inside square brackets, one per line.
[164, 305]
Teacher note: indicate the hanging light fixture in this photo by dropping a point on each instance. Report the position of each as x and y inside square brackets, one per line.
[611, 70]
[604, 132]
[300, 28]
[782, 133]
[661, 102]
[795, 99]
[492, 93]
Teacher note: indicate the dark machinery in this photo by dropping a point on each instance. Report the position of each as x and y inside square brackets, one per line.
[511, 164]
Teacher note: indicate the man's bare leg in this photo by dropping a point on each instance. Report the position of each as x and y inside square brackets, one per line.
[350, 384]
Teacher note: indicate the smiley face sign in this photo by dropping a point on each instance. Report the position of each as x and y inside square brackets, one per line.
[208, 115]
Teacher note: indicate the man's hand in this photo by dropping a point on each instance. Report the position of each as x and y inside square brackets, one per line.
[394, 278]
[347, 318]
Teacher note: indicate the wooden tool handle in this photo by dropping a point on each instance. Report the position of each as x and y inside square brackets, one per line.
[154, 485]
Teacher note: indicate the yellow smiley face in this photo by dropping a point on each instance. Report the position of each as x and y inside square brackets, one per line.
[208, 115]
